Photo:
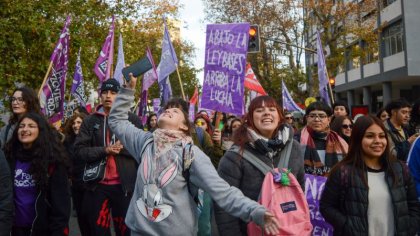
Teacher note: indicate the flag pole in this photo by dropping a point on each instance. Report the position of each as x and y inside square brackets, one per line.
[180, 82]
[45, 78]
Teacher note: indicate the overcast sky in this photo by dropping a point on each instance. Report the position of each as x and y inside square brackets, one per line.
[194, 30]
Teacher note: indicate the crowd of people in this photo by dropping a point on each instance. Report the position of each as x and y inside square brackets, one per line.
[175, 176]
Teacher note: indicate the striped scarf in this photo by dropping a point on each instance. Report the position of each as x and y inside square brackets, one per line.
[334, 147]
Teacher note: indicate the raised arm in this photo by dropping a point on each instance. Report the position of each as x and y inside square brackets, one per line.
[130, 136]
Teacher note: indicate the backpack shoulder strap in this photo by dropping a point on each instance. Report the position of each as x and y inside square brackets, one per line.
[252, 158]
[187, 159]
[148, 141]
[285, 155]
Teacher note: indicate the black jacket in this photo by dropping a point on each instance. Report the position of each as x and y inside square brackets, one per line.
[53, 203]
[90, 147]
[344, 202]
[6, 197]
[238, 172]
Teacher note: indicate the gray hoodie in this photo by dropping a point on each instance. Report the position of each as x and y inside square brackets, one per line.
[161, 203]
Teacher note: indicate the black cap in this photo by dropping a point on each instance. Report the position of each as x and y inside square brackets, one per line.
[110, 84]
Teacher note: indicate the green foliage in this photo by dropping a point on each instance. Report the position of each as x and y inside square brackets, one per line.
[30, 30]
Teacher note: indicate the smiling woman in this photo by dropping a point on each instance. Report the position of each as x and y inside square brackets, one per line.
[369, 178]
[39, 162]
[23, 100]
[266, 135]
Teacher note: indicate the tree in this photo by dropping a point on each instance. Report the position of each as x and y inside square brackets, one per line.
[346, 31]
[30, 30]
[278, 20]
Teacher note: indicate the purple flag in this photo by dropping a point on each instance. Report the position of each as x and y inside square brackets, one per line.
[120, 62]
[156, 105]
[77, 88]
[191, 112]
[314, 186]
[288, 102]
[143, 107]
[168, 60]
[52, 94]
[322, 72]
[103, 64]
[224, 68]
[151, 75]
[165, 91]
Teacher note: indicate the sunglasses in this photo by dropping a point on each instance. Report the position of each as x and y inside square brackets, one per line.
[288, 118]
[347, 126]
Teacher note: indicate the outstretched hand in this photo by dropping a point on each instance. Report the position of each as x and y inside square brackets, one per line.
[271, 224]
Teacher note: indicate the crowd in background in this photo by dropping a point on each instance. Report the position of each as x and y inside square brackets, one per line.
[372, 163]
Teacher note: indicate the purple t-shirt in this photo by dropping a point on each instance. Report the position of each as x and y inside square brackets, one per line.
[25, 195]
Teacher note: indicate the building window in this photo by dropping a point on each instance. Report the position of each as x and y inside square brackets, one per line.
[387, 2]
[393, 39]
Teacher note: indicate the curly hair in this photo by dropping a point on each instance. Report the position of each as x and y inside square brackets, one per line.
[46, 150]
[31, 102]
[68, 127]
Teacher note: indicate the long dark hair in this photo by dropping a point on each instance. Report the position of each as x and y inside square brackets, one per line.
[68, 128]
[336, 124]
[46, 151]
[240, 137]
[354, 157]
[31, 102]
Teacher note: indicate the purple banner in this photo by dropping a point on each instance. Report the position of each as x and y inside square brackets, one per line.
[314, 186]
[104, 61]
[52, 94]
[143, 107]
[191, 112]
[224, 67]
[77, 88]
[156, 105]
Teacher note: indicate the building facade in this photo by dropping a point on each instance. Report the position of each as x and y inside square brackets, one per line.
[394, 71]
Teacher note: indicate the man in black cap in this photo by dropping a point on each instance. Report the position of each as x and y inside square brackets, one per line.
[113, 190]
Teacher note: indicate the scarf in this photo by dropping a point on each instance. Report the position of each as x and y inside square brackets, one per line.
[270, 147]
[335, 145]
[164, 139]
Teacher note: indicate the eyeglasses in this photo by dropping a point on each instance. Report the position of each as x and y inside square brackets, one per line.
[18, 100]
[319, 116]
[347, 126]
[288, 118]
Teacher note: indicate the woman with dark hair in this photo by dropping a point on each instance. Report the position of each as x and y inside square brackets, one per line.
[71, 130]
[382, 114]
[39, 164]
[151, 122]
[170, 165]
[264, 134]
[23, 100]
[342, 125]
[227, 140]
[370, 192]
[323, 148]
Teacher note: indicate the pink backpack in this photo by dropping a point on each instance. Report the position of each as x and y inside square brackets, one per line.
[286, 202]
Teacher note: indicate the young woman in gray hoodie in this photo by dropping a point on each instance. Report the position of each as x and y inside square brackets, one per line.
[162, 203]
